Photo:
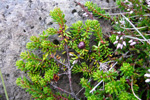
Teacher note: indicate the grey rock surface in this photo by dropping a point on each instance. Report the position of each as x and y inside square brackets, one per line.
[20, 19]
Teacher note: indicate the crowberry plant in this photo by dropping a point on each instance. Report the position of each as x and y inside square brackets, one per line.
[106, 73]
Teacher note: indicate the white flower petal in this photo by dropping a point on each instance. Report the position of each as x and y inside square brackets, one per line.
[148, 2]
[124, 43]
[147, 80]
[131, 12]
[122, 22]
[117, 37]
[130, 41]
[133, 43]
[121, 38]
[121, 46]
[140, 18]
[118, 46]
[147, 75]
[119, 32]
[130, 4]
[149, 70]
[125, 1]
[115, 42]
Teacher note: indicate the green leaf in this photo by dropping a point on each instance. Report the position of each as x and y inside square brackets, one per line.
[45, 56]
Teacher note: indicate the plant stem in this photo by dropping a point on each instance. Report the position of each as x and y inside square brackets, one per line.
[136, 29]
[4, 85]
[131, 37]
[133, 90]
[59, 88]
[69, 72]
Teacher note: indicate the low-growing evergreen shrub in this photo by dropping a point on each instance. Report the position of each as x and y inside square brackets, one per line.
[118, 74]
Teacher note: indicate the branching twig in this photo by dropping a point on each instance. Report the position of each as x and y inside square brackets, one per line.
[132, 28]
[68, 58]
[131, 37]
[136, 29]
[69, 73]
[62, 74]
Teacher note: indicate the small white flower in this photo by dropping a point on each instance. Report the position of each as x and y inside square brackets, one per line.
[114, 32]
[116, 22]
[147, 80]
[148, 2]
[122, 22]
[133, 43]
[140, 18]
[128, 9]
[131, 12]
[119, 46]
[121, 38]
[130, 41]
[119, 32]
[115, 42]
[130, 4]
[117, 37]
[147, 75]
[124, 43]
[126, 1]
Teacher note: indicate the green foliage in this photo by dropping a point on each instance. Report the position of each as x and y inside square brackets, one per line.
[58, 16]
[127, 70]
[113, 86]
[137, 53]
[126, 96]
[45, 62]
[97, 11]
[105, 76]
[113, 38]
[43, 68]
